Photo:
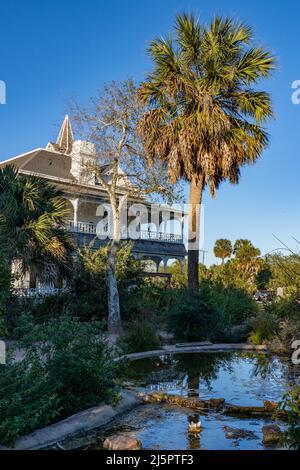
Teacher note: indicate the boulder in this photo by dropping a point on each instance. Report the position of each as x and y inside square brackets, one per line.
[268, 410]
[122, 442]
[234, 433]
[272, 434]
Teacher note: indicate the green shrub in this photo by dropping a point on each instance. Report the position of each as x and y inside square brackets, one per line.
[190, 319]
[234, 305]
[263, 327]
[285, 272]
[284, 315]
[150, 300]
[67, 367]
[287, 307]
[140, 336]
[212, 314]
[291, 403]
[5, 295]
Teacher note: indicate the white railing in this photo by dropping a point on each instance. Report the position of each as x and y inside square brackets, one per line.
[88, 227]
[160, 236]
[82, 227]
[39, 291]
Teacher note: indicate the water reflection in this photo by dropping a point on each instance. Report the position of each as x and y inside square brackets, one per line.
[193, 438]
[241, 378]
[244, 379]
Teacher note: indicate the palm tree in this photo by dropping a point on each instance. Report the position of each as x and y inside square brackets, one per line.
[247, 256]
[205, 119]
[32, 216]
[223, 249]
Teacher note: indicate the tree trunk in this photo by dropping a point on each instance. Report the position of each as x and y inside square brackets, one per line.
[196, 189]
[114, 314]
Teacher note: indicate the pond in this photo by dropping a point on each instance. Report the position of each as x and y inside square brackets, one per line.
[240, 378]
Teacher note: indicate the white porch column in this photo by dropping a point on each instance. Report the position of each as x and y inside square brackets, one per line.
[172, 222]
[75, 203]
[182, 226]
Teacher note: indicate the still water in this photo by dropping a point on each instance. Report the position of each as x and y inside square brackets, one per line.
[242, 379]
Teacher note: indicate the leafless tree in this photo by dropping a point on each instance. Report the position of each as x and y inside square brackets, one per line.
[110, 121]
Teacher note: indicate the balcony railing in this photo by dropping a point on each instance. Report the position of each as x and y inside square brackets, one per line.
[160, 236]
[82, 227]
[88, 227]
[39, 291]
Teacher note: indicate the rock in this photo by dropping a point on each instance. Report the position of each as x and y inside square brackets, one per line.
[121, 442]
[267, 410]
[272, 434]
[234, 433]
[154, 397]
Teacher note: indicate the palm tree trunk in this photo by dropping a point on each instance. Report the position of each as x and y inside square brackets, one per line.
[196, 190]
[114, 314]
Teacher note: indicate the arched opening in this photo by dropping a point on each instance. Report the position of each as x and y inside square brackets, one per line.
[170, 265]
[150, 263]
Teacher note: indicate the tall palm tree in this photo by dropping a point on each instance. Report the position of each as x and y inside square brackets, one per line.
[223, 249]
[32, 215]
[205, 119]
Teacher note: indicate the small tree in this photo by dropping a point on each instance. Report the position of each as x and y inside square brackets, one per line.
[223, 249]
[32, 218]
[110, 122]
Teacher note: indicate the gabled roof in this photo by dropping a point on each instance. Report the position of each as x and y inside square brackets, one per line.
[20, 160]
[43, 162]
[53, 161]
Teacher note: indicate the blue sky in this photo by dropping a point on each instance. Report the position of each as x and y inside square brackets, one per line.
[50, 51]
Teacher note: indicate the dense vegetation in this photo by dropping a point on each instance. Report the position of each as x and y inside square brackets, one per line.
[67, 367]
[5, 293]
[223, 310]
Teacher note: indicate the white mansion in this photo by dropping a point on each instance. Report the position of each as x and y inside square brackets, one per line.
[62, 164]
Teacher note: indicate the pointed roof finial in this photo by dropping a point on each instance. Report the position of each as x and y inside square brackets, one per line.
[65, 138]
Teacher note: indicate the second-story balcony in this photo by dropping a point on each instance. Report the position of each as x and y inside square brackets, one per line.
[91, 228]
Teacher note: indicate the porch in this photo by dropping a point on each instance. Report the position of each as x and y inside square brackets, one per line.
[91, 228]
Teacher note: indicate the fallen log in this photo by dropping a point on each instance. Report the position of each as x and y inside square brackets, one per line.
[184, 402]
[269, 410]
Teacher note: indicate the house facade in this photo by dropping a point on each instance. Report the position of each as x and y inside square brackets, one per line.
[62, 163]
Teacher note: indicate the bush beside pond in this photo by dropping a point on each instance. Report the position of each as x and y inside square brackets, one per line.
[140, 335]
[67, 367]
[213, 315]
